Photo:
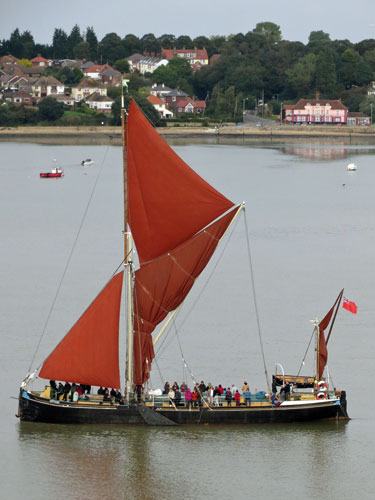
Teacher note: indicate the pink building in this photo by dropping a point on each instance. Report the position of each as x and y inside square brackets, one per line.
[318, 111]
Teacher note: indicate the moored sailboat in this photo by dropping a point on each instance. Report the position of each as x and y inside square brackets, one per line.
[176, 230]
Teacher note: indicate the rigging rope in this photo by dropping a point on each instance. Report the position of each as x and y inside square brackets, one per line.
[304, 357]
[255, 300]
[69, 259]
[162, 346]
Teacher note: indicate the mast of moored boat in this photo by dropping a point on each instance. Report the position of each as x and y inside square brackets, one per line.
[128, 259]
[317, 349]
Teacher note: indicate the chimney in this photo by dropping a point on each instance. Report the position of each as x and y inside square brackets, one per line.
[317, 95]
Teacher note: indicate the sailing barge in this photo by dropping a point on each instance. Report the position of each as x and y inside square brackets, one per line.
[176, 231]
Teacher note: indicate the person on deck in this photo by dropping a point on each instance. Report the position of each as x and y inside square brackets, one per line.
[228, 396]
[194, 397]
[183, 387]
[171, 395]
[245, 387]
[67, 388]
[247, 396]
[101, 391]
[188, 398]
[60, 390]
[202, 387]
[166, 388]
[237, 398]
[177, 397]
[53, 389]
[210, 395]
[175, 386]
[221, 390]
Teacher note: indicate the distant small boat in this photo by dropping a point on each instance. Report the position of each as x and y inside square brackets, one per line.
[351, 167]
[87, 163]
[56, 171]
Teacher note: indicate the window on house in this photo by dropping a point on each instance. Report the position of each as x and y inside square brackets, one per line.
[174, 99]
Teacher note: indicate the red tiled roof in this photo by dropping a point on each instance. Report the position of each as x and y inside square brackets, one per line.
[154, 100]
[39, 58]
[334, 103]
[171, 53]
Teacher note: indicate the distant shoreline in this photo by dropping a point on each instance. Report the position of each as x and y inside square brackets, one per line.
[113, 134]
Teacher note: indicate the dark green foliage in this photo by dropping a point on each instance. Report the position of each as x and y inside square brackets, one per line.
[50, 110]
[92, 40]
[122, 65]
[60, 44]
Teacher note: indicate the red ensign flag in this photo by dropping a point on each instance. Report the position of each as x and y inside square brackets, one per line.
[349, 305]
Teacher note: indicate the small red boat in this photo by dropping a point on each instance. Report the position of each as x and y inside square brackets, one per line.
[56, 171]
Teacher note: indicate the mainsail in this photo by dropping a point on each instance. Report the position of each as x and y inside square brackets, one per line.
[168, 201]
[88, 354]
[170, 207]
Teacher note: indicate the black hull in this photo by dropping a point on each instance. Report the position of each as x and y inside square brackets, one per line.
[37, 410]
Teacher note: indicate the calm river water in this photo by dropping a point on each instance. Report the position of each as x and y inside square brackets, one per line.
[312, 232]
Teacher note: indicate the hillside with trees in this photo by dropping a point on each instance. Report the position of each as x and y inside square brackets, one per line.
[244, 67]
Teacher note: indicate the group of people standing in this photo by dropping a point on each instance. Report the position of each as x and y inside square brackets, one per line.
[213, 394]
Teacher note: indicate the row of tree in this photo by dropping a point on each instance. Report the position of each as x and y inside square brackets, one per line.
[250, 66]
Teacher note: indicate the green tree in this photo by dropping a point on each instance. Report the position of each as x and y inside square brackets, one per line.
[301, 76]
[74, 39]
[325, 76]
[15, 44]
[184, 42]
[92, 40]
[132, 45]
[177, 73]
[167, 41]
[122, 65]
[150, 44]
[82, 51]
[60, 44]
[50, 110]
[111, 48]
[270, 32]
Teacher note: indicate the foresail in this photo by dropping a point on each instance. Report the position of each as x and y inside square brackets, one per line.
[88, 354]
[323, 325]
[168, 202]
[161, 285]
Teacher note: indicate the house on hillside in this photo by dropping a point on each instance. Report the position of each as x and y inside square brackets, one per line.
[87, 87]
[171, 97]
[318, 111]
[41, 61]
[190, 106]
[17, 97]
[99, 102]
[7, 61]
[47, 85]
[358, 118]
[160, 106]
[159, 90]
[145, 63]
[111, 77]
[193, 56]
[95, 71]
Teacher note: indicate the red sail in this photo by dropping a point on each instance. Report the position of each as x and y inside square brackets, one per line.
[88, 354]
[323, 353]
[168, 201]
[161, 286]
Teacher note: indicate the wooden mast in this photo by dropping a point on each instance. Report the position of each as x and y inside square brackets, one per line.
[128, 257]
